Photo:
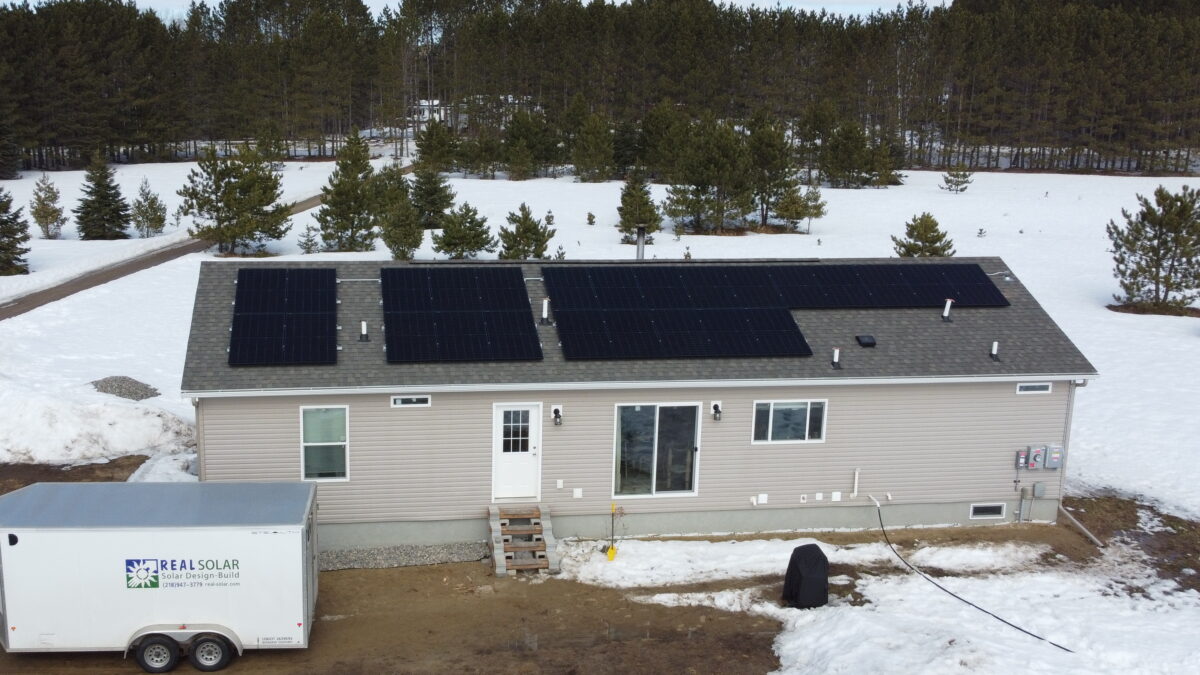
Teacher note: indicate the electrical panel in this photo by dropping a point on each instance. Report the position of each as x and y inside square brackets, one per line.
[1037, 457]
[1054, 457]
[1022, 458]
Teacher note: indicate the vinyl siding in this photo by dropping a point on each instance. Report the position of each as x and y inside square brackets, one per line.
[921, 443]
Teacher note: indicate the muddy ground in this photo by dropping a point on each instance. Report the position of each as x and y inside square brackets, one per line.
[460, 618]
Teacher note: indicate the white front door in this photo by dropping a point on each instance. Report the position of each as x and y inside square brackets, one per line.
[516, 450]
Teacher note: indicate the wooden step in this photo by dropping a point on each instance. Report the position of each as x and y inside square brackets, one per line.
[539, 564]
[520, 529]
[513, 546]
[520, 512]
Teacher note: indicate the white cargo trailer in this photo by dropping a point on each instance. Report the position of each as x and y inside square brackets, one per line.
[161, 570]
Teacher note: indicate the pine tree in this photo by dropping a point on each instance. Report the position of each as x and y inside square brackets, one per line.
[714, 189]
[45, 209]
[521, 164]
[792, 208]
[436, 147]
[398, 220]
[844, 158]
[234, 200]
[464, 234]
[10, 157]
[346, 217]
[956, 179]
[432, 197]
[1157, 253]
[309, 240]
[102, 212]
[528, 238]
[637, 209]
[593, 152]
[814, 207]
[772, 166]
[923, 239]
[14, 232]
[149, 213]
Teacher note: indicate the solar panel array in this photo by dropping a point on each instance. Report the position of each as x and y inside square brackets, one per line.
[458, 314]
[284, 317]
[632, 312]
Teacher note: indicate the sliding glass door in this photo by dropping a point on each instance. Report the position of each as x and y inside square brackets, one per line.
[656, 449]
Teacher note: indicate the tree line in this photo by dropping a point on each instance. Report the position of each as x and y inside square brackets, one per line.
[1032, 84]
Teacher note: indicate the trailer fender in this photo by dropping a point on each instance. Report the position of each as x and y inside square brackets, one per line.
[184, 634]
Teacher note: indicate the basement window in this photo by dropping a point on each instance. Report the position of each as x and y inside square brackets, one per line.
[984, 511]
[1034, 388]
[421, 401]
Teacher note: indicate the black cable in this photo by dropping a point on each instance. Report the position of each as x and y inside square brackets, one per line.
[879, 512]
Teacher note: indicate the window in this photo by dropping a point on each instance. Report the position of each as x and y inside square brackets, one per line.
[789, 421]
[323, 437]
[656, 447]
[979, 511]
[1034, 388]
[421, 401]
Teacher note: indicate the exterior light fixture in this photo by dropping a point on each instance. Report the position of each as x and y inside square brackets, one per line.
[557, 412]
[717, 412]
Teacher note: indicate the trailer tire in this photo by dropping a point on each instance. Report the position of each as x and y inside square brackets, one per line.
[157, 654]
[209, 653]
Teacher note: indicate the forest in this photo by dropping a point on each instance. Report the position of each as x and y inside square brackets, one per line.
[1060, 85]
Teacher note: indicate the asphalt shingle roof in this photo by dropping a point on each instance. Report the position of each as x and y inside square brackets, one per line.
[912, 343]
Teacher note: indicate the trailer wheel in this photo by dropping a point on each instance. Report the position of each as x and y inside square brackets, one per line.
[157, 654]
[209, 653]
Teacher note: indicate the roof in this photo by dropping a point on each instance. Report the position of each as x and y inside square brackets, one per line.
[136, 505]
[912, 343]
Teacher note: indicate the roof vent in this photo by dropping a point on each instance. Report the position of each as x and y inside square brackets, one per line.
[865, 340]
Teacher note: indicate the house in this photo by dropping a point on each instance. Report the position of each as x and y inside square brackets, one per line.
[696, 397]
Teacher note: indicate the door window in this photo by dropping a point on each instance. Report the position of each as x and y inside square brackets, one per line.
[656, 449]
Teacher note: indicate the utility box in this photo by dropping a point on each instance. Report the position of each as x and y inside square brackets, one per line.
[162, 570]
[1054, 457]
[1037, 457]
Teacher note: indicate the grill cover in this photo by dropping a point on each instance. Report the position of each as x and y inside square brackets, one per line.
[807, 582]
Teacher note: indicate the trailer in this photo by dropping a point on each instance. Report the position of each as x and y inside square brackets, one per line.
[159, 570]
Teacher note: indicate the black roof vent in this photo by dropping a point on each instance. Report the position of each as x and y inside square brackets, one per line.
[865, 340]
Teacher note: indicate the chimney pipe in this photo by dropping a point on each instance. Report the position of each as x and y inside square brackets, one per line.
[641, 242]
[946, 310]
[362, 336]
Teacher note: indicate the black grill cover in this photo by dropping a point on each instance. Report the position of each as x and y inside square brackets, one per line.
[807, 582]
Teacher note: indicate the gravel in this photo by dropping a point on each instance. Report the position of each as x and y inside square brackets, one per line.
[402, 555]
[125, 387]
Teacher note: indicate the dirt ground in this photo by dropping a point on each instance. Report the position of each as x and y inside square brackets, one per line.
[461, 618]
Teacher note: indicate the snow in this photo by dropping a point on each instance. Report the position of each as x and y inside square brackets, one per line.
[1114, 614]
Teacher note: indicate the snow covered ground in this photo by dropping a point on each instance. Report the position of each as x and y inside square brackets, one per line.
[1114, 614]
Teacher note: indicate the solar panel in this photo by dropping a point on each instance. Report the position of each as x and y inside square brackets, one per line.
[458, 314]
[736, 310]
[284, 317]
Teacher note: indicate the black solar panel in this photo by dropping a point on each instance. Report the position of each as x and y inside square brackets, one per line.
[284, 317]
[458, 314]
[736, 310]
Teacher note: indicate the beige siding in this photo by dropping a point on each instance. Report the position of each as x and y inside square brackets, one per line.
[921, 443]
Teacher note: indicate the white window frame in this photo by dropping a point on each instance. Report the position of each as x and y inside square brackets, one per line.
[699, 405]
[810, 401]
[394, 398]
[1048, 385]
[342, 479]
[1003, 511]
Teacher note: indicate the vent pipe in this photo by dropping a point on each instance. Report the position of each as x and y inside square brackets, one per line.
[545, 311]
[946, 310]
[641, 242]
[995, 351]
[837, 358]
[362, 336]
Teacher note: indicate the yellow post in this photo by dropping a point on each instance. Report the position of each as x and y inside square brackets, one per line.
[612, 546]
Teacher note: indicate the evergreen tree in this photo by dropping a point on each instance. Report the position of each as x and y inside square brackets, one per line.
[956, 179]
[794, 207]
[45, 209]
[14, 232]
[714, 189]
[923, 239]
[149, 213]
[10, 155]
[432, 197]
[521, 164]
[637, 208]
[399, 223]
[844, 158]
[347, 217]
[1157, 253]
[309, 240]
[593, 154]
[464, 234]
[814, 207]
[771, 162]
[234, 201]
[528, 238]
[102, 212]
[436, 146]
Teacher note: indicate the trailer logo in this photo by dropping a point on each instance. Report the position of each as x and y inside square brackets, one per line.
[141, 573]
